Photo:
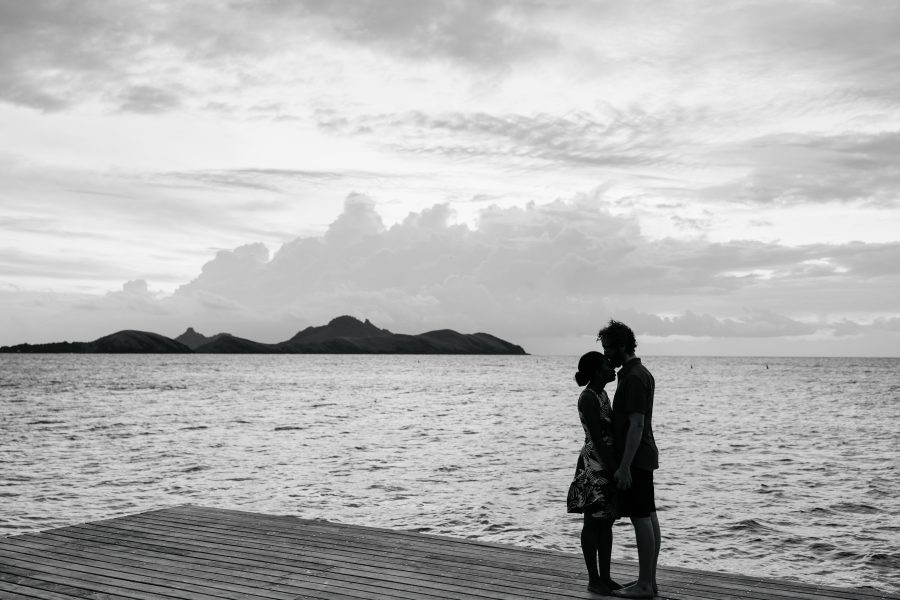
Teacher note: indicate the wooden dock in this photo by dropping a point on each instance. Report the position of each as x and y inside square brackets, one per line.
[196, 553]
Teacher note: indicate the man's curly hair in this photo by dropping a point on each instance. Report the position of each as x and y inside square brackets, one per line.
[618, 334]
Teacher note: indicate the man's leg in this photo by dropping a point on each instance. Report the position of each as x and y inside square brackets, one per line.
[646, 545]
[645, 537]
[658, 537]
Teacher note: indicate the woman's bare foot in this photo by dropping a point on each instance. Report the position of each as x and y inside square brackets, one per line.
[602, 587]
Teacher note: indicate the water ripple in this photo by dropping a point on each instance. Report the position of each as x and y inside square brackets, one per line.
[787, 472]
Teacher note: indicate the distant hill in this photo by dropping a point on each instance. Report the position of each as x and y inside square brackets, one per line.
[349, 336]
[194, 340]
[225, 343]
[127, 342]
[343, 335]
[122, 342]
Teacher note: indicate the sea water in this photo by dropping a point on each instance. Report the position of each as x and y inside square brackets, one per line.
[775, 467]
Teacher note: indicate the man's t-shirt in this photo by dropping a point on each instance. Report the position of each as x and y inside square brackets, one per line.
[634, 394]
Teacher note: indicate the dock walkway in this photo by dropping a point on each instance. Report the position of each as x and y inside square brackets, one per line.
[195, 553]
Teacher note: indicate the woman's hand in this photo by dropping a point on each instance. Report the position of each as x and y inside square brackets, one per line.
[623, 477]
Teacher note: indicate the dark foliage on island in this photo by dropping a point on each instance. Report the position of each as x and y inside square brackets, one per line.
[122, 342]
[343, 335]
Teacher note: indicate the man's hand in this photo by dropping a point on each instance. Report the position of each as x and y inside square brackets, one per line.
[623, 477]
[632, 441]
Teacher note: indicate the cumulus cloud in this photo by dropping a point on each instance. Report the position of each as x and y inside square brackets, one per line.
[137, 287]
[547, 268]
[358, 221]
[554, 270]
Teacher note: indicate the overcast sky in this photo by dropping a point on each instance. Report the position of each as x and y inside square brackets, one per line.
[723, 176]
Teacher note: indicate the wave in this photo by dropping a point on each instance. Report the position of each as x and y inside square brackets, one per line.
[855, 507]
[750, 525]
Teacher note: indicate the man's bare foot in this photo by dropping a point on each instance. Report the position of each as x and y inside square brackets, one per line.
[635, 582]
[638, 590]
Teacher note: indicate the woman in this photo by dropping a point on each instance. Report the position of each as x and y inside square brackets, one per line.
[593, 491]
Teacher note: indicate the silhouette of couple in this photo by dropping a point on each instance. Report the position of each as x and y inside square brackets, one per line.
[614, 475]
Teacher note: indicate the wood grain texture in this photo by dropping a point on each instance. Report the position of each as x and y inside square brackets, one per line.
[196, 553]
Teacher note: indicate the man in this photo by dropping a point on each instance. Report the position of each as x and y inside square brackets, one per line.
[638, 456]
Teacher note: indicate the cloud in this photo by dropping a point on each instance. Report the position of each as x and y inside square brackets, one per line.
[741, 104]
[484, 32]
[611, 138]
[756, 324]
[553, 267]
[797, 169]
[555, 270]
[151, 58]
[358, 221]
[146, 99]
[19, 263]
[131, 54]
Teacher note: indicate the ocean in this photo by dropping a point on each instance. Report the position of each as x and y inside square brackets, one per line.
[774, 467]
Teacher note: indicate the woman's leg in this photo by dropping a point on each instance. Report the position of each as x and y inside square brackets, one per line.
[589, 548]
[604, 552]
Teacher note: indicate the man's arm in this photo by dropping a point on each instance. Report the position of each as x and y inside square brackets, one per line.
[632, 441]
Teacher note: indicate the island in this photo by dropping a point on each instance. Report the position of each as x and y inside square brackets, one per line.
[342, 335]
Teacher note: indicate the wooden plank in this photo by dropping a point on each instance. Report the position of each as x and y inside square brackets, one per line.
[229, 585]
[442, 591]
[195, 553]
[344, 563]
[186, 577]
[752, 581]
[377, 571]
[288, 543]
[334, 530]
[362, 540]
[736, 588]
[349, 555]
[13, 587]
[50, 579]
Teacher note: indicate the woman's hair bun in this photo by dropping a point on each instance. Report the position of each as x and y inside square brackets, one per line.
[582, 378]
[589, 364]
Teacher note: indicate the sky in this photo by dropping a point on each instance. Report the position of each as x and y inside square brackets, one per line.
[722, 176]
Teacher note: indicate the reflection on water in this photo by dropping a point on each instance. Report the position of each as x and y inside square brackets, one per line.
[789, 471]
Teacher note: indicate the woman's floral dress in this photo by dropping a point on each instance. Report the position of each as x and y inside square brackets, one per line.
[593, 491]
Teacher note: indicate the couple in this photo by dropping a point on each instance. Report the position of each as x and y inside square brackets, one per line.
[614, 476]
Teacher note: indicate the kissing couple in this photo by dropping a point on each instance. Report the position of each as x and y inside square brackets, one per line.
[614, 474]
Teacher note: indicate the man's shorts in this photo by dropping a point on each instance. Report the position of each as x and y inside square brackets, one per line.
[638, 501]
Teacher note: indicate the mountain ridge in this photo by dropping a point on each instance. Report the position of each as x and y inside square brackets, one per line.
[342, 335]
